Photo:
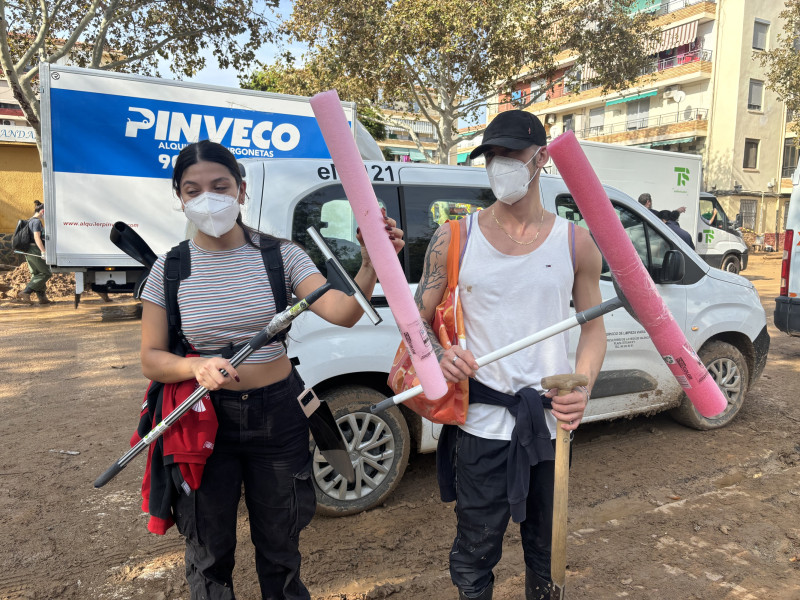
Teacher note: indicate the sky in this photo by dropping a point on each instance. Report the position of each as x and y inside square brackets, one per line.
[213, 75]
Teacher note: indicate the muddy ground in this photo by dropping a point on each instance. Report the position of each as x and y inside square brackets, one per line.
[656, 510]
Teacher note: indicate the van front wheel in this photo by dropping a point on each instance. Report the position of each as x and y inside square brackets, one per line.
[379, 446]
[731, 264]
[729, 369]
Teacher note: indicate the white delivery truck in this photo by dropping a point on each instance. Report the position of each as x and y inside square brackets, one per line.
[109, 141]
[349, 367]
[674, 180]
[787, 304]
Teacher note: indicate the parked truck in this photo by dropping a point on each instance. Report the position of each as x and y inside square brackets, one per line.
[674, 180]
[109, 141]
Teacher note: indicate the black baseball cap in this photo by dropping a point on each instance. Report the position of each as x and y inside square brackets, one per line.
[515, 129]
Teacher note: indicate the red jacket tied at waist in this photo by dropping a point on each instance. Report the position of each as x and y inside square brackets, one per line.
[186, 444]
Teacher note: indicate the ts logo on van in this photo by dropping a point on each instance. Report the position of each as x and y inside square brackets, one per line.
[683, 175]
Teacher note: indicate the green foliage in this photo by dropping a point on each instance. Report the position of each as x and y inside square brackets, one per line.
[449, 57]
[783, 63]
[282, 77]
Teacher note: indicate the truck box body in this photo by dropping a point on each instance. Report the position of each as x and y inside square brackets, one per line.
[110, 140]
[673, 179]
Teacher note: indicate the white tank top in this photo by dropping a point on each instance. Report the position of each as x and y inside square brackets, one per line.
[506, 298]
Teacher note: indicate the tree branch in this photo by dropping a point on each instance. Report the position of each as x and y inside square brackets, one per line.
[102, 31]
[76, 34]
[153, 49]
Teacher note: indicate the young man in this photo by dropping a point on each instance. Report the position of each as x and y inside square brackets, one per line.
[521, 266]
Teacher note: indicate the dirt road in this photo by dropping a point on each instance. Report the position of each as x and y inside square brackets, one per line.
[656, 510]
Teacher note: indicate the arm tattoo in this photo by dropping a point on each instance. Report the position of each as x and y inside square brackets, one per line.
[437, 347]
[434, 276]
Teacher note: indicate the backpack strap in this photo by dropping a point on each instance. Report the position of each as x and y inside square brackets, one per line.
[273, 263]
[177, 267]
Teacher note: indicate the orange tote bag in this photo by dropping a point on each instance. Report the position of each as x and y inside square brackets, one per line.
[448, 324]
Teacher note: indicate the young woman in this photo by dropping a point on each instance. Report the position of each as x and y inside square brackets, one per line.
[262, 436]
[40, 272]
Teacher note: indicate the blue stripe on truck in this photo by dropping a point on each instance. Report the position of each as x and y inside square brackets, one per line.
[140, 137]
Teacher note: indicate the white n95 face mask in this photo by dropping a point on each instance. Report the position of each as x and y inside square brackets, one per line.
[213, 214]
[508, 177]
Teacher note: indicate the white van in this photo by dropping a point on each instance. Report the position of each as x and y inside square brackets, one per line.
[787, 304]
[720, 312]
[674, 180]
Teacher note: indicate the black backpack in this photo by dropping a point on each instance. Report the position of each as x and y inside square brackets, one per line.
[23, 236]
[177, 266]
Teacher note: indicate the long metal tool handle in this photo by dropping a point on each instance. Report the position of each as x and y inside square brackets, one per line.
[577, 319]
[278, 323]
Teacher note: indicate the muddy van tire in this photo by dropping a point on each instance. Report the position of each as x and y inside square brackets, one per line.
[731, 264]
[729, 369]
[379, 447]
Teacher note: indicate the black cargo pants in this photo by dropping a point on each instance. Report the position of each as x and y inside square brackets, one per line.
[482, 511]
[262, 442]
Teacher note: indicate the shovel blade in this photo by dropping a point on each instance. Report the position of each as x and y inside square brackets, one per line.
[328, 438]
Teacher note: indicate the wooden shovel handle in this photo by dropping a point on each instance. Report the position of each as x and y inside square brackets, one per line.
[558, 552]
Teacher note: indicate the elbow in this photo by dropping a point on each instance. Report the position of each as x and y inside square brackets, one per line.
[350, 323]
[148, 370]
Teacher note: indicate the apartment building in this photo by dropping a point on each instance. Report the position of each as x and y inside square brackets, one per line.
[400, 146]
[704, 93]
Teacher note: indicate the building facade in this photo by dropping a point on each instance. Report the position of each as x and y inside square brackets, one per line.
[20, 170]
[400, 146]
[703, 93]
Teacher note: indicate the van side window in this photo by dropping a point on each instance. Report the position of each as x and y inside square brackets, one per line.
[428, 207]
[329, 211]
[649, 244]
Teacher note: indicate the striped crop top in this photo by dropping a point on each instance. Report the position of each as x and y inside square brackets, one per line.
[227, 298]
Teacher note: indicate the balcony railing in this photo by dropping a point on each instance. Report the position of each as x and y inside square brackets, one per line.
[665, 63]
[677, 60]
[633, 123]
[663, 8]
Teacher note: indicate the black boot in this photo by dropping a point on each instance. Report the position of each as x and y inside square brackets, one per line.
[486, 594]
[536, 587]
[43, 299]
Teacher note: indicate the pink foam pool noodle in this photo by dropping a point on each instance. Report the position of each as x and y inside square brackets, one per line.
[633, 278]
[344, 152]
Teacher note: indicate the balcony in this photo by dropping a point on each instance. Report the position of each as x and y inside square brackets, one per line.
[677, 60]
[687, 66]
[662, 64]
[671, 6]
[661, 128]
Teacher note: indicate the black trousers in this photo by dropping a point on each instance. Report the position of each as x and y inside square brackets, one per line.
[262, 442]
[483, 512]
